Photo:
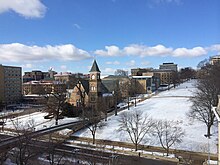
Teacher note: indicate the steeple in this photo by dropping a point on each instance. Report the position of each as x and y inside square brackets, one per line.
[95, 67]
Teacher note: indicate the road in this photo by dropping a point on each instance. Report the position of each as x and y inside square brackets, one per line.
[11, 141]
[100, 156]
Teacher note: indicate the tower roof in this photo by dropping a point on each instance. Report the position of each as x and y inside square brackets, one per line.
[95, 67]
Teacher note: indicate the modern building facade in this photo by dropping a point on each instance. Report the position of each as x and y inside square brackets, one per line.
[10, 84]
[169, 66]
[145, 84]
[215, 60]
[140, 71]
[165, 76]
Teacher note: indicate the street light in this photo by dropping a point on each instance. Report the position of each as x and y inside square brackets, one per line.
[115, 101]
[217, 115]
[208, 136]
[216, 111]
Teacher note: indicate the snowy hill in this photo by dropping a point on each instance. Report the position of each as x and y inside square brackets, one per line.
[170, 105]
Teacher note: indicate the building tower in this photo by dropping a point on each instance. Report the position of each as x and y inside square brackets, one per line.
[95, 93]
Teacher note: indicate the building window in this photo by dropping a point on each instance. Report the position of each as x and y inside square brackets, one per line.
[92, 98]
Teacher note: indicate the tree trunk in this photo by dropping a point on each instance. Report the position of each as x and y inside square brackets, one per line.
[209, 130]
[116, 113]
[136, 146]
[128, 104]
[135, 102]
[167, 149]
[93, 138]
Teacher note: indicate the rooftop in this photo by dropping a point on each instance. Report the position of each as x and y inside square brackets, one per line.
[95, 67]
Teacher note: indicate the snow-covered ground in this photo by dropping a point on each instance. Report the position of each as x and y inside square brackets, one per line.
[37, 120]
[169, 105]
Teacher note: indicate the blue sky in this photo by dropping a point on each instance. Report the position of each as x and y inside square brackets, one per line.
[120, 34]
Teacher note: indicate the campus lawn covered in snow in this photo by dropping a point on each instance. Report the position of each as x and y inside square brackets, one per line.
[37, 119]
[167, 105]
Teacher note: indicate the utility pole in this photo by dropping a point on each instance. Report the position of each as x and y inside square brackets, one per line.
[216, 111]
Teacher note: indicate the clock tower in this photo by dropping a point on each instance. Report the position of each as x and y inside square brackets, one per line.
[95, 93]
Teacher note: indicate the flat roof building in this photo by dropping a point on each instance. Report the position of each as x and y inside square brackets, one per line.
[10, 84]
[169, 65]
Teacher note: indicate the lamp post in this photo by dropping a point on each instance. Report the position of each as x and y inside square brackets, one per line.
[216, 111]
[217, 115]
[115, 101]
[208, 137]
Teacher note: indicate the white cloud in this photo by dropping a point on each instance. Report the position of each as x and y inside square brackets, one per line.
[110, 51]
[146, 63]
[17, 52]
[194, 52]
[131, 63]
[143, 50]
[214, 48]
[108, 71]
[158, 50]
[77, 26]
[28, 66]
[113, 62]
[63, 67]
[25, 8]
[167, 1]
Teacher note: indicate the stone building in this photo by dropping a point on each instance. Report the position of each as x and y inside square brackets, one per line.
[70, 79]
[43, 87]
[91, 92]
[37, 75]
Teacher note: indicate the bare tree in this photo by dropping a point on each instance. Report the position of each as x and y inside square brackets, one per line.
[82, 94]
[121, 72]
[168, 133]
[206, 96]
[187, 73]
[3, 156]
[3, 120]
[55, 104]
[54, 157]
[24, 151]
[104, 107]
[116, 93]
[136, 125]
[128, 90]
[93, 117]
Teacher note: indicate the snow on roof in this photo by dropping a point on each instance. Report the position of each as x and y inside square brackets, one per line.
[44, 82]
[106, 94]
[137, 77]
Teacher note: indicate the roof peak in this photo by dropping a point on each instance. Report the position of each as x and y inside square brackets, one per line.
[95, 67]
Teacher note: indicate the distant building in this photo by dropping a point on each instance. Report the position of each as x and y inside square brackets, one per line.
[43, 87]
[166, 76]
[169, 66]
[215, 60]
[10, 84]
[70, 79]
[140, 71]
[37, 75]
[145, 84]
[116, 84]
